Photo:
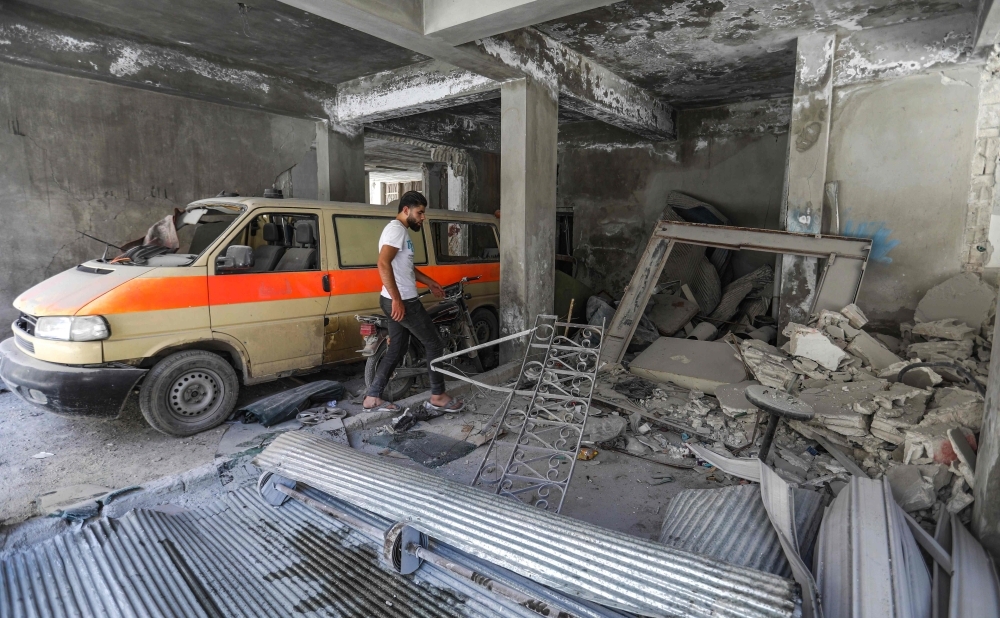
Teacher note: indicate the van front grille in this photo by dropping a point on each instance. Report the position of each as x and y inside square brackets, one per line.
[26, 323]
[24, 344]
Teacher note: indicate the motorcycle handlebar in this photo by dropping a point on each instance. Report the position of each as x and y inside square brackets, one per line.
[450, 285]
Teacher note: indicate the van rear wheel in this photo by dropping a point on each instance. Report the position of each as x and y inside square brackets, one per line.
[188, 392]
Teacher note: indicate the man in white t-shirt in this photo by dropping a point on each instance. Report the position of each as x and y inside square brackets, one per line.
[400, 301]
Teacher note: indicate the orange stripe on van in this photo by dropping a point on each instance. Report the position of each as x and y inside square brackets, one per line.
[159, 293]
[151, 294]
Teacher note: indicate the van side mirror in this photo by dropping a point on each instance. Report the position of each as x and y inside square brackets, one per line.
[238, 258]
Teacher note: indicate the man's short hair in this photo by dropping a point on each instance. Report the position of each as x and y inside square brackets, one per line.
[410, 199]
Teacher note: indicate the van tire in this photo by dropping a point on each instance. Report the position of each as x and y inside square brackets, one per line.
[188, 392]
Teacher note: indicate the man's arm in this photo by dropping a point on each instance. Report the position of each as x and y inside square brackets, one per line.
[385, 256]
[435, 287]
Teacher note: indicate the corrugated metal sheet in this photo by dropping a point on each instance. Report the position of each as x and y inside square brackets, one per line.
[568, 555]
[868, 564]
[235, 557]
[974, 589]
[731, 525]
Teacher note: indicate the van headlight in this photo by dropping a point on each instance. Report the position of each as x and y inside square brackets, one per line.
[82, 328]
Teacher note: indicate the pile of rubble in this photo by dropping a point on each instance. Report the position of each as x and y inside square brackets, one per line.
[918, 429]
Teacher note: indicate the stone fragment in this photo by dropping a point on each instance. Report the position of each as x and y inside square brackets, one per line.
[814, 345]
[893, 344]
[635, 447]
[911, 489]
[700, 365]
[768, 364]
[604, 428]
[733, 401]
[835, 408]
[960, 496]
[956, 406]
[854, 315]
[849, 331]
[963, 297]
[941, 350]
[945, 329]
[925, 444]
[939, 475]
[964, 452]
[872, 351]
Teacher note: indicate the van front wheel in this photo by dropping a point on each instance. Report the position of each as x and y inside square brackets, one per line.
[188, 392]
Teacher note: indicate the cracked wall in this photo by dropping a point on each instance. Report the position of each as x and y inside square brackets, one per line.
[80, 155]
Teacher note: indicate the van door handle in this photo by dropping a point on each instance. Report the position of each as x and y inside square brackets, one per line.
[326, 282]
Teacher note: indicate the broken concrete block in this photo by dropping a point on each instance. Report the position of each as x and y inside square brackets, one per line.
[836, 409]
[888, 426]
[925, 444]
[956, 406]
[963, 297]
[912, 491]
[693, 364]
[733, 401]
[921, 377]
[950, 329]
[812, 344]
[872, 351]
[854, 315]
[603, 428]
[964, 452]
[959, 501]
[955, 350]
[635, 447]
[768, 364]
[893, 344]
[939, 475]
[835, 331]
[670, 313]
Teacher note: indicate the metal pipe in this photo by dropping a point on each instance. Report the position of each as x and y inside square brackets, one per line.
[535, 605]
[340, 516]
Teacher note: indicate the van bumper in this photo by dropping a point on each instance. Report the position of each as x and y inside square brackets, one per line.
[70, 390]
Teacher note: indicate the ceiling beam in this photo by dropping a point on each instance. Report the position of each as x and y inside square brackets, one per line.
[443, 129]
[39, 39]
[588, 87]
[414, 89]
[461, 21]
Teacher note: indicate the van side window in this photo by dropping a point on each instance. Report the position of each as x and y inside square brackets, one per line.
[281, 242]
[457, 242]
[357, 241]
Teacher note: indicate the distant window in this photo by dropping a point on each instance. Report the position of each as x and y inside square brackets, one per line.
[462, 242]
[357, 241]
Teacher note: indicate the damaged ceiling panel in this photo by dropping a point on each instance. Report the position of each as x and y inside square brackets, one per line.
[710, 51]
[263, 33]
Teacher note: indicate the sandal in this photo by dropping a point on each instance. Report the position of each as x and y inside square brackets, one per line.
[453, 406]
[385, 406]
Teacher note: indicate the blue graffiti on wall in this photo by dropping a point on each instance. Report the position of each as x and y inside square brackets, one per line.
[879, 235]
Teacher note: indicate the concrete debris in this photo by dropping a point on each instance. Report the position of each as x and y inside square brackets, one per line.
[945, 329]
[812, 344]
[600, 429]
[733, 401]
[963, 450]
[635, 447]
[844, 408]
[693, 364]
[941, 350]
[956, 406]
[854, 315]
[921, 377]
[872, 351]
[769, 365]
[965, 298]
[893, 344]
[925, 444]
[912, 490]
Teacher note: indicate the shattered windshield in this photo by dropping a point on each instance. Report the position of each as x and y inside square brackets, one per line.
[178, 239]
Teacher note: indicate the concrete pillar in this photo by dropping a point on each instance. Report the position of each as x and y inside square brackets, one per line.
[986, 508]
[528, 141]
[435, 184]
[805, 176]
[458, 189]
[340, 162]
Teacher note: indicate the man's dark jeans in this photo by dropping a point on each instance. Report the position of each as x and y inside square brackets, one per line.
[418, 322]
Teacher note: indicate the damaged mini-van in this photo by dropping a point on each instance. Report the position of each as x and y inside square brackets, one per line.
[254, 289]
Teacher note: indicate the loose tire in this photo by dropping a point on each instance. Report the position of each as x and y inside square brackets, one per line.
[486, 327]
[394, 389]
[188, 392]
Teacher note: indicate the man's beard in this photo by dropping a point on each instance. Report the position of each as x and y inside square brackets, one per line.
[412, 224]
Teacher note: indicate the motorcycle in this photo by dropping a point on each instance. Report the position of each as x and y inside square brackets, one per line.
[458, 328]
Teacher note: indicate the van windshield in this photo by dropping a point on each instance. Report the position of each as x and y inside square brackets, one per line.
[178, 239]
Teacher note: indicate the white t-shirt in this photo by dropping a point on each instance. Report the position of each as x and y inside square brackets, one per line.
[396, 235]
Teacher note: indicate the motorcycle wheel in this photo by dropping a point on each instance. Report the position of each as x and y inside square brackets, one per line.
[486, 327]
[394, 389]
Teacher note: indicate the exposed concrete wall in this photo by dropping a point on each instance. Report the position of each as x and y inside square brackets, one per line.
[732, 157]
[901, 150]
[108, 160]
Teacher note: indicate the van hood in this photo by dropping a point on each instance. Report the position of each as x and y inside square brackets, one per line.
[73, 289]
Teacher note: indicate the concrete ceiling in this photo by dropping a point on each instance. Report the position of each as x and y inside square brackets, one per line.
[260, 33]
[700, 52]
